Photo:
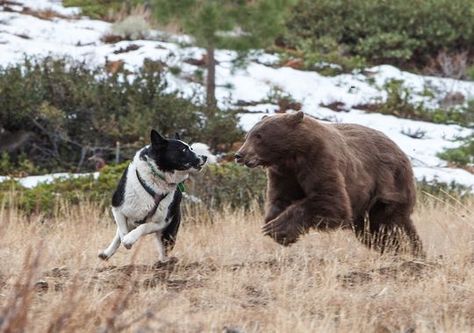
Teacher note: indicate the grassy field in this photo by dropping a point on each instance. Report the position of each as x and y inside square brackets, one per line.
[229, 278]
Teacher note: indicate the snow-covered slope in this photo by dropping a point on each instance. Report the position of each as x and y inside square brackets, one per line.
[22, 34]
[33, 181]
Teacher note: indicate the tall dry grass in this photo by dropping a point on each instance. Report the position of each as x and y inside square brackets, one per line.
[230, 278]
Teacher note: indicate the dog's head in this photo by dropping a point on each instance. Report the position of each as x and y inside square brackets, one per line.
[173, 154]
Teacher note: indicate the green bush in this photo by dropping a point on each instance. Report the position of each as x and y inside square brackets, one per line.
[399, 103]
[323, 55]
[462, 155]
[21, 167]
[398, 31]
[100, 9]
[229, 184]
[216, 186]
[46, 198]
[74, 111]
[470, 73]
[442, 191]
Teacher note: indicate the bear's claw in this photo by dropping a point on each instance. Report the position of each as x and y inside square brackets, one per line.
[281, 232]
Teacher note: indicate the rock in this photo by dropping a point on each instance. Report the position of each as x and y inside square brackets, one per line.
[41, 286]
[114, 66]
[452, 99]
[296, 63]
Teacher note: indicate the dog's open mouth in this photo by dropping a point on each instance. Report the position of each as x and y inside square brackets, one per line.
[199, 165]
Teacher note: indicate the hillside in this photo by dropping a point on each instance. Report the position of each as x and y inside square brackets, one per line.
[254, 87]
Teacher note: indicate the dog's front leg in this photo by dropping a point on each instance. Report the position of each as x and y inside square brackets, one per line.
[121, 222]
[144, 229]
[114, 245]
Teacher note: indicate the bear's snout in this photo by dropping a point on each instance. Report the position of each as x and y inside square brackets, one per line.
[247, 155]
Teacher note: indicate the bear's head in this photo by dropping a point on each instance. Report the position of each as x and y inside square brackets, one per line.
[270, 141]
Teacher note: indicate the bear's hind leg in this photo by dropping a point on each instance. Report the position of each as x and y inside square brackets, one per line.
[389, 228]
[413, 238]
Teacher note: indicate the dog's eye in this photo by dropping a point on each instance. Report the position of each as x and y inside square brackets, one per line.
[258, 136]
[184, 150]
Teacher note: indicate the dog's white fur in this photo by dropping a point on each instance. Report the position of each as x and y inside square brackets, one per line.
[138, 203]
[203, 150]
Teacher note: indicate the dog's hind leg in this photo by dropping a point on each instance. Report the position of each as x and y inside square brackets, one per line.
[169, 234]
[109, 251]
[162, 257]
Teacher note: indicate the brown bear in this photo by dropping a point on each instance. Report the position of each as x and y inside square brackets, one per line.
[329, 176]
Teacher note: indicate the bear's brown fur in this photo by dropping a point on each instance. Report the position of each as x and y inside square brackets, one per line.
[333, 175]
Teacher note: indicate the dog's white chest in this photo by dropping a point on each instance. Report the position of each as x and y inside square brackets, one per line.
[138, 206]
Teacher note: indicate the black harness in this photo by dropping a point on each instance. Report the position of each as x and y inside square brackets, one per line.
[156, 197]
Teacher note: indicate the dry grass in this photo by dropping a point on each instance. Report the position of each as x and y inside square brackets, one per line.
[230, 278]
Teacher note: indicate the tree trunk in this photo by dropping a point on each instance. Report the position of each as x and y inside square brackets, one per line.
[211, 81]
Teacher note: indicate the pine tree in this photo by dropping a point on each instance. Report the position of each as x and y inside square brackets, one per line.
[230, 24]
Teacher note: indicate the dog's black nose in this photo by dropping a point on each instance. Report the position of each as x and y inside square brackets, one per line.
[237, 156]
[204, 158]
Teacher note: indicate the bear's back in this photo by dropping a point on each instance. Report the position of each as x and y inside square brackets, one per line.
[370, 144]
[386, 167]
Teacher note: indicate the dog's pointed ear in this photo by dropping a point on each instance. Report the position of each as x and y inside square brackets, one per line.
[156, 139]
[176, 136]
[296, 117]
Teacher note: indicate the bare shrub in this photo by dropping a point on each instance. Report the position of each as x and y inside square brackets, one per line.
[453, 65]
[134, 25]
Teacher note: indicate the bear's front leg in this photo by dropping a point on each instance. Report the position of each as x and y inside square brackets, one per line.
[274, 209]
[282, 191]
[318, 211]
[286, 227]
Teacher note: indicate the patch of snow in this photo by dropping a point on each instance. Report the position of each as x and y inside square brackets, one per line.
[445, 175]
[33, 181]
[264, 58]
[417, 83]
[324, 64]
[53, 5]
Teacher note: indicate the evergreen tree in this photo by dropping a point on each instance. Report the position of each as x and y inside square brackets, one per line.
[231, 24]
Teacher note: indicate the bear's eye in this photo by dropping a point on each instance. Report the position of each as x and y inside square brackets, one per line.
[258, 136]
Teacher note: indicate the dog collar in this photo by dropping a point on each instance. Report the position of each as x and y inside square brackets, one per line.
[160, 175]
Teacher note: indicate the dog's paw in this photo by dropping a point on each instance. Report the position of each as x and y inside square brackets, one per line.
[103, 256]
[163, 262]
[127, 242]
[168, 260]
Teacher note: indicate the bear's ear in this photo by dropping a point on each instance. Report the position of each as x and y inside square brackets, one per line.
[296, 117]
[156, 139]
[265, 116]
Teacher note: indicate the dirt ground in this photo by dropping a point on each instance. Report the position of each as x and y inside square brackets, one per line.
[229, 278]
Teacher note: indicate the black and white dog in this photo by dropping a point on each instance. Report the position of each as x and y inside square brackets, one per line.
[148, 196]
